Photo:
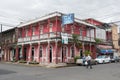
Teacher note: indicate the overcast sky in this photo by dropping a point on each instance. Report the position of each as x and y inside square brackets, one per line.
[12, 12]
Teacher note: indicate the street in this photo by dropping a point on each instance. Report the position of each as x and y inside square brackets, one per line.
[21, 72]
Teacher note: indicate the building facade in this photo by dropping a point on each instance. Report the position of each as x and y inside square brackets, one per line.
[40, 40]
[115, 38]
[8, 44]
[104, 35]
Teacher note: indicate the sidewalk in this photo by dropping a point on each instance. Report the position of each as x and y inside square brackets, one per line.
[50, 65]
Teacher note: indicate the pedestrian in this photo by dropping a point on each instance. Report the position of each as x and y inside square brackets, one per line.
[84, 59]
[88, 59]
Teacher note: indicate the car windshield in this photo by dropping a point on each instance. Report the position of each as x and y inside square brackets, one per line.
[101, 57]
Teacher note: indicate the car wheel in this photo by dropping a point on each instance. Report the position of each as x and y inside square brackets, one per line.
[103, 62]
[96, 62]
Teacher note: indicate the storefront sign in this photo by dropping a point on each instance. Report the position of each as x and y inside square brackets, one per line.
[67, 19]
[64, 38]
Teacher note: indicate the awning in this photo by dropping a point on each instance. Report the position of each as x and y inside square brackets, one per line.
[104, 51]
[104, 46]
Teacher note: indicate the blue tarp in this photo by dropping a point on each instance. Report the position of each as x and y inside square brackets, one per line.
[106, 51]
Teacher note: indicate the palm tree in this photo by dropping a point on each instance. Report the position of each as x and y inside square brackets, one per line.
[75, 40]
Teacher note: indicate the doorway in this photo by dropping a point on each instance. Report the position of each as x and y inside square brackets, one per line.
[81, 53]
[50, 55]
[64, 53]
[32, 53]
[25, 52]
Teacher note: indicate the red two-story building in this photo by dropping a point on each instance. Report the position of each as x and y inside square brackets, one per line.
[40, 40]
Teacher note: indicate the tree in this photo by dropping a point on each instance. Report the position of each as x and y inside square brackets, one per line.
[97, 41]
[87, 52]
[76, 41]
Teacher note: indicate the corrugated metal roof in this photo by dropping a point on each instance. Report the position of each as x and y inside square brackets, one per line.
[53, 15]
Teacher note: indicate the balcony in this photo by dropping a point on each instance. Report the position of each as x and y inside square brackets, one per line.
[52, 35]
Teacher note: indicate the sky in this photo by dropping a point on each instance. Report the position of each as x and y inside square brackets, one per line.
[12, 12]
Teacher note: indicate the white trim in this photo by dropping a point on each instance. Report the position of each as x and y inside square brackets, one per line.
[71, 51]
[49, 53]
[40, 19]
[66, 53]
[30, 42]
[53, 15]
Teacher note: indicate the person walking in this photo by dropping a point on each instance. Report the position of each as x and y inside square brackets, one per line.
[88, 59]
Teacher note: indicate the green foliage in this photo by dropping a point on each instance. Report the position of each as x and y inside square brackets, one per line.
[33, 62]
[86, 52]
[76, 57]
[76, 40]
[22, 61]
[14, 59]
[98, 40]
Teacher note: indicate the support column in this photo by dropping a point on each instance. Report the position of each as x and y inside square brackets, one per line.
[83, 46]
[90, 38]
[16, 54]
[94, 33]
[30, 53]
[56, 52]
[23, 51]
[48, 52]
[38, 53]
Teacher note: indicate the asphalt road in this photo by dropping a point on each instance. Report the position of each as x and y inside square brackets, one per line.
[99, 72]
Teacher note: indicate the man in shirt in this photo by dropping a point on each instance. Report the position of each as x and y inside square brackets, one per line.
[88, 59]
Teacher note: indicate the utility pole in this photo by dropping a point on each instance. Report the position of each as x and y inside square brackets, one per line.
[1, 44]
[1, 33]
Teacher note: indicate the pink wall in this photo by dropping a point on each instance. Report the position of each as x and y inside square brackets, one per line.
[58, 28]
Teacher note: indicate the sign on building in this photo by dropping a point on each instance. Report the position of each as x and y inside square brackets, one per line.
[64, 38]
[68, 19]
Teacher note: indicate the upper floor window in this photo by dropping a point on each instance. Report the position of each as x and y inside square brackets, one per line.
[19, 33]
[72, 51]
[33, 30]
[72, 29]
[41, 29]
[51, 25]
[64, 50]
[40, 51]
[26, 32]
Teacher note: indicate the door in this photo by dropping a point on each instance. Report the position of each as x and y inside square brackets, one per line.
[25, 52]
[32, 53]
[50, 56]
[64, 54]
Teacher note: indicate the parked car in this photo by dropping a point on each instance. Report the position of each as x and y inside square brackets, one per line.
[115, 59]
[103, 59]
[82, 62]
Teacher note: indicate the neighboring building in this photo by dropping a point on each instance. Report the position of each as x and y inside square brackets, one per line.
[103, 33]
[115, 37]
[40, 40]
[8, 44]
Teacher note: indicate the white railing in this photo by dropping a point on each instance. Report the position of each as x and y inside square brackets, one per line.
[26, 39]
[20, 39]
[53, 35]
[43, 36]
[35, 37]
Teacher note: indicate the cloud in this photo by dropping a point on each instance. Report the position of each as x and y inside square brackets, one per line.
[16, 11]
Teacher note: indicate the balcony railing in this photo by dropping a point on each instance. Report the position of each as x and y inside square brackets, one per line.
[52, 35]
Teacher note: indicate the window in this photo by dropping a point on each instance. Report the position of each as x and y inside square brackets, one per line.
[51, 25]
[26, 32]
[19, 33]
[33, 30]
[40, 51]
[41, 29]
[72, 51]
[72, 29]
[64, 51]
